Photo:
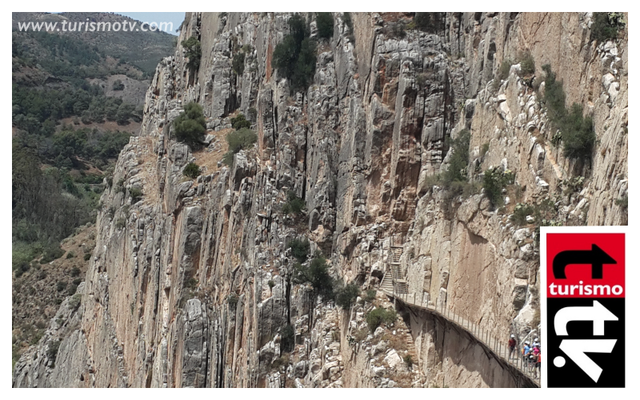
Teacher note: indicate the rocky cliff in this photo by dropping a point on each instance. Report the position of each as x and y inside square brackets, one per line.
[191, 285]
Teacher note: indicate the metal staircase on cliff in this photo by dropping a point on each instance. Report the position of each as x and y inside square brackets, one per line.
[394, 285]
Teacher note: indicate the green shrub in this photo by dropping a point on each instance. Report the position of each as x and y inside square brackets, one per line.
[299, 249]
[61, 285]
[285, 56]
[495, 179]
[52, 350]
[75, 271]
[577, 134]
[293, 205]
[22, 268]
[87, 256]
[606, 26]
[305, 67]
[554, 97]
[238, 63]
[370, 295]
[457, 171]
[241, 139]
[544, 213]
[271, 283]
[556, 139]
[317, 274]
[23, 253]
[191, 170]
[190, 283]
[378, 316]
[118, 85]
[324, 23]
[623, 202]
[346, 296]
[190, 126]
[527, 64]
[572, 185]
[431, 22]
[503, 71]
[484, 149]
[227, 159]
[408, 360]
[70, 254]
[193, 52]
[74, 302]
[240, 122]
[51, 253]
[136, 194]
[520, 213]
[295, 56]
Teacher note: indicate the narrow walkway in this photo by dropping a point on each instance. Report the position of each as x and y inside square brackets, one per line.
[499, 350]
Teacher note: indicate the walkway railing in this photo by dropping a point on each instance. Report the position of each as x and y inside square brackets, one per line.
[499, 348]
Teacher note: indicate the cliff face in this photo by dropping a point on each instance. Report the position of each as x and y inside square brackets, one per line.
[191, 285]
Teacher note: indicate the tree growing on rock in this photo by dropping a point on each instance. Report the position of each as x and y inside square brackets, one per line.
[324, 22]
[299, 249]
[192, 170]
[241, 139]
[379, 316]
[240, 122]
[295, 56]
[317, 274]
[190, 126]
[346, 296]
[193, 52]
[238, 140]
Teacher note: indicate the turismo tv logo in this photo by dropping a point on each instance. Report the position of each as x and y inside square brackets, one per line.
[585, 308]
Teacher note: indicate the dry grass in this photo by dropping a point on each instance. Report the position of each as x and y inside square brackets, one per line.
[396, 342]
[35, 296]
[149, 164]
[361, 334]
[208, 160]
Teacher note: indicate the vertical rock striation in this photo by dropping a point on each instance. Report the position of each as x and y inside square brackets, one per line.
[191, 286]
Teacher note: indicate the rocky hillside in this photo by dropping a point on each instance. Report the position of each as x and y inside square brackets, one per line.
[76, 100]
[193, 283]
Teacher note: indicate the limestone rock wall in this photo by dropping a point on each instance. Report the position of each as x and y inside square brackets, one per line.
[191, 285]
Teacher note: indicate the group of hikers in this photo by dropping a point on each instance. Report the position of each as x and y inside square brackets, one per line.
[531, 354]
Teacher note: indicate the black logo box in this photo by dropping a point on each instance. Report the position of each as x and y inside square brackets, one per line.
[612, 364]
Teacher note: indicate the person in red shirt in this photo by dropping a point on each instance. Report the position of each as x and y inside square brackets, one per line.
[538, 358]
[512, 345]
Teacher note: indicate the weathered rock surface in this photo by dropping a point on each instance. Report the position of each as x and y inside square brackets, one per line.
[191, 285]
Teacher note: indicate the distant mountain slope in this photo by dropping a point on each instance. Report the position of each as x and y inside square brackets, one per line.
[142, 49]
[77, 97]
